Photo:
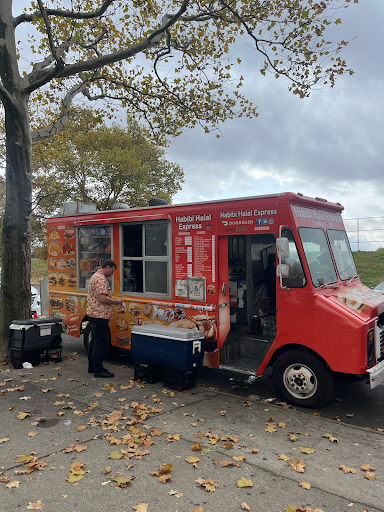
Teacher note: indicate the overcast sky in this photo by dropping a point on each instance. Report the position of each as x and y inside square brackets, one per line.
[329, 145]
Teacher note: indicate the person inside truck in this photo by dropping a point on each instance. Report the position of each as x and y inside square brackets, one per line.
[99, 311]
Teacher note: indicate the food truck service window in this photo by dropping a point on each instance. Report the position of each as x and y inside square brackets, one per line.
[146, 258]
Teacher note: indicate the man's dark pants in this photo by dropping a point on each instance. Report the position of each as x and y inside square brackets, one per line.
[100, 343]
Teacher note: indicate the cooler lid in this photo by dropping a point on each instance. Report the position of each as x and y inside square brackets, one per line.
[26, 324]
[165, 331]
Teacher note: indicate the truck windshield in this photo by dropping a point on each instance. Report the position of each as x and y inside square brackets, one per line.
[342, 253]
[318, 256]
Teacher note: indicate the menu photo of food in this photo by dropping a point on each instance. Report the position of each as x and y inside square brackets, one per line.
[71, 279]
[54, 234]
[52, 278]
[56, 302]
[69, 233]
[62, 279]
[68, 249]
[61, 264]
[54, 249]
[71, 263]
[71, 303]
[52, 263]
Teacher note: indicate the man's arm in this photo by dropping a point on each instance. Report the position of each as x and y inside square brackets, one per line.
[106, 299]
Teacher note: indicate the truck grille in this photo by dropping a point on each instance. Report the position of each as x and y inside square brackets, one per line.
[379, 336]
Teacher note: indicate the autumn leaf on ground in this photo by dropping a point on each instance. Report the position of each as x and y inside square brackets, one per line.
[239, 458]
[171, 438]
[164, 478]
[108, 469]
[281, 424]
[164, 470]
[15, 483]
[298, 465]
[32, 434]
[4, 479]
[246, 403]
[193, 461]
[81, 427]
[292, 437]
[198, 509]
[369, 475]
[115, 455]
[206, 451]
[175, 493]
[196, 447]
[346, 469]
[4, 440]
[24, 458]
[283, 457]
[209, 484]
[156, 432]
[366, 467]
[253, 450]
[45, 390]
[36, 506]
[270, 430]
[305, 485]
[76, 472]
[244, 506]
[123, 481]
[22, 415]
[243, 482]
[227, 463]
[306, 450]
[141, 507]
[227, 445]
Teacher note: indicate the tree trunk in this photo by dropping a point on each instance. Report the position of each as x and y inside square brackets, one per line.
[15, 295]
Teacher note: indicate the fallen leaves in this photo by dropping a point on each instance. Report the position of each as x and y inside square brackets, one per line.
[305, 485]
[22, 415]
[346, 469]
[244, 506]
[36, 506]
[243, 482]
[141, 507]
[76, 472]
[15, 483]
[209, 484]
[193, 461]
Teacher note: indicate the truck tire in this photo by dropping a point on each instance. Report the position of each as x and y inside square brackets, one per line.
[112, 352]
[303, 379]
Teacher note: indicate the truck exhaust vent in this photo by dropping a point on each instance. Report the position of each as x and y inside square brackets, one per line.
[157, 201]
[76, 207]
[120, 206]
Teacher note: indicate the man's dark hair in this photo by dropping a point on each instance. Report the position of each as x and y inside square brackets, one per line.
[109, 263]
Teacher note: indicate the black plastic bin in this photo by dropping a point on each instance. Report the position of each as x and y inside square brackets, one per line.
[150, 373]
[179, 380]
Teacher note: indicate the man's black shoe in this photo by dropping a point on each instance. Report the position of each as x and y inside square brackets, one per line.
[90, 370]
[104, 374]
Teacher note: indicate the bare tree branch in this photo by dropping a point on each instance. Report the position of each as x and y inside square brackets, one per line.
[23, 18]
[60, 123]
[48, 27]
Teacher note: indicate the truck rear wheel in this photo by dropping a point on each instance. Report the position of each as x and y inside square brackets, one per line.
[303, 379]
[112, 352]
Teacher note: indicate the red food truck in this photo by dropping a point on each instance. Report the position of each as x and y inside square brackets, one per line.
[270, 281]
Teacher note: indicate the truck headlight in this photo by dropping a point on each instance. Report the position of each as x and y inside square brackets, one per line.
[371, 346]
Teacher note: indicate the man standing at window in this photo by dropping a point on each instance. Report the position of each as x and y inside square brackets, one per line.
[99, 312]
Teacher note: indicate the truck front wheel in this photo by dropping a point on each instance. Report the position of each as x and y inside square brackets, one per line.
[112, 352]
[302, 379]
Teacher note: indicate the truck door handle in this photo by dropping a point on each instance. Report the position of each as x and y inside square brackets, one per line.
[224, 289]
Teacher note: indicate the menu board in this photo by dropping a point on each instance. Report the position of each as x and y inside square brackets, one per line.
[62, 257]
[194, 250]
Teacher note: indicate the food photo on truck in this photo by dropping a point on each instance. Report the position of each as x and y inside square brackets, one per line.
[270, 281]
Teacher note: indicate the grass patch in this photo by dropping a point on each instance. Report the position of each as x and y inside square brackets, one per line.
[39, 269]
[370, 266]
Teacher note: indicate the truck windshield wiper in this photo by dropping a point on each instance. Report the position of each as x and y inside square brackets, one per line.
[350, 279]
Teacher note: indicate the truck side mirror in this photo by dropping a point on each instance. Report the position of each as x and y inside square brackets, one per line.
[282, 270]
[282, 245]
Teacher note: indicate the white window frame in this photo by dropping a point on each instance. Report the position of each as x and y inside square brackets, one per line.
[144, 258]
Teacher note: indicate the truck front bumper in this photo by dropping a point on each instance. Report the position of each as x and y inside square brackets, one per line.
[376, 374]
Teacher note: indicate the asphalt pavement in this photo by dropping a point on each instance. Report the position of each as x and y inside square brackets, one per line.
[71, 442]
